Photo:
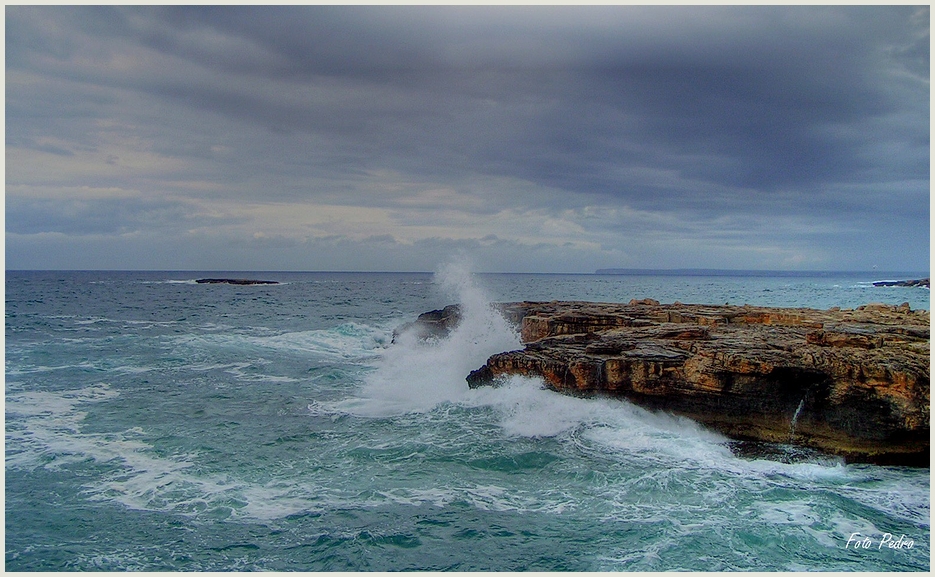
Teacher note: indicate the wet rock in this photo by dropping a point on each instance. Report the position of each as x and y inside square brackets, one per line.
[853, 383]
[433, 324]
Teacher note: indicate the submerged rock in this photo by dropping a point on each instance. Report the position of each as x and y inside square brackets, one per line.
[853, 383]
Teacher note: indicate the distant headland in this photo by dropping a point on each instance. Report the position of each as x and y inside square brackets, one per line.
[753, 273]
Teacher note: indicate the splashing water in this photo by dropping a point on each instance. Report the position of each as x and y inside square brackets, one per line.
[417, 376]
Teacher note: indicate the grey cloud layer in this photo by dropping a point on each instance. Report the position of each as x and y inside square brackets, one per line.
[691, 112]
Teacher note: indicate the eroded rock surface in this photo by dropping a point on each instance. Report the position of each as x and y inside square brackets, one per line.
[850, 382]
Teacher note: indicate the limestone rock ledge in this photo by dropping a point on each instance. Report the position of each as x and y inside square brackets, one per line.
[853, 383]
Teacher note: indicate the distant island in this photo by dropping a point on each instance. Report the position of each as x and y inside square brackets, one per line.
[237, 281]
[922, 282]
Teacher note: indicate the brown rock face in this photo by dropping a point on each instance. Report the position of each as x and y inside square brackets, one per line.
[850, 382]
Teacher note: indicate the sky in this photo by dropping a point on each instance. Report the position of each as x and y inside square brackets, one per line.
[521, 139]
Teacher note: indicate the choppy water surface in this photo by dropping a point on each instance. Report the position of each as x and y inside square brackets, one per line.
[153, 423]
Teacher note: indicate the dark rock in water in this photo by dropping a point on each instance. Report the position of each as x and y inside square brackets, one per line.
[481, 377]
[780, 452]
[922, 282]
[853, 383]
[433, 324]
[438, 323]
[237, 281]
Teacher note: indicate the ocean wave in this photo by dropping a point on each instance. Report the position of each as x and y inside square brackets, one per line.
[895, 495]
[45, 430]
[416, 376]
[347, 341]
[135, 324]
[601, 428]
[15, 371]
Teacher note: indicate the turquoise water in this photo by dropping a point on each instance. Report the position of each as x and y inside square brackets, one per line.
[153, 423]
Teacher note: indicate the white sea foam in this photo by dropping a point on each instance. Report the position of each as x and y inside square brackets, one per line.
[170, 485]
[606, 426]
[44, 428]
[908, 499]
[670, 449]
[26, 370]
[482, 496]
[92, 321]
[45, 431]
[349, 340]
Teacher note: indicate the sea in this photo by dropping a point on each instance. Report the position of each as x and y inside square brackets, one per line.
[157, 424]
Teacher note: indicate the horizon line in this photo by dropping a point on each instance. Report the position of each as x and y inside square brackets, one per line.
[598, 272]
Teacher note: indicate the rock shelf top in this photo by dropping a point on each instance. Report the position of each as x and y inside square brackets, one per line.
[850, 382]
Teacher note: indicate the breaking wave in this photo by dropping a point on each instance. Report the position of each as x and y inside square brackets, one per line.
[416, 375]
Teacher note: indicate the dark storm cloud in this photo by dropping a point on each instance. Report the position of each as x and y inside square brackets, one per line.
[761, 89]
[695, 112]
[95, 216]
[756, 98]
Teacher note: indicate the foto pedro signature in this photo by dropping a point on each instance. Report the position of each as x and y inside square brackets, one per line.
[857, 541]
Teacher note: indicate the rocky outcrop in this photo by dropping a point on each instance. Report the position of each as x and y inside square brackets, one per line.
[922, 282]
[849, 382]
[433, 324]
[237, 281]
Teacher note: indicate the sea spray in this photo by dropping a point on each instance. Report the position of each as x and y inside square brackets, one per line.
[417, 375]
[616, 426]
[795, 420]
